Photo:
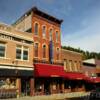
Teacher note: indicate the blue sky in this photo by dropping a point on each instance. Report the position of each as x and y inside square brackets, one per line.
[81, 26]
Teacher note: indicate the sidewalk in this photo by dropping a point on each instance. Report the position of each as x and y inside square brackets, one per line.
[54, 96]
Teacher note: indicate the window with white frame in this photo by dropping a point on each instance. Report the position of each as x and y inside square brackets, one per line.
[36, 26]
[18, 52]
[25, 53]
[56, 36]
[22, 53]
[2, 49]
[44, 31]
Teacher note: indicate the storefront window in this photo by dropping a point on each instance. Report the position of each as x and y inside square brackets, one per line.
[7, 83]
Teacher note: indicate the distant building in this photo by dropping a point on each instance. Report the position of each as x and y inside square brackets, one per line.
[91, 67]
[91, 70]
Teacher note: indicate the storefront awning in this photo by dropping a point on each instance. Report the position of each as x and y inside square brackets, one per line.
[15, 73]
[93, 79]
[49, 70]
[74, 76]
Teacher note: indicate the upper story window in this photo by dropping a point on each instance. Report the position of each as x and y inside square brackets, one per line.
[25, 53]
[70, 65]
[22, 53]
[79, 66]
[2, 49]
[58, 54]
[44, 31]
[36, 26]
[50, 34]
[75, 65]
[56, 36]
[44, 51]
[18, 52]
[36, 49]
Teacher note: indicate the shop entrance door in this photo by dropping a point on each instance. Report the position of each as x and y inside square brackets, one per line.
[47, 87]
[25, 87]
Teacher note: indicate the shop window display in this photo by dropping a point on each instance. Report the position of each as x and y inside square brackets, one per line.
[7, 83]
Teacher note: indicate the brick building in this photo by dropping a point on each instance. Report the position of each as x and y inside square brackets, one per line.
[16, 61]
[50, 76]
[73, 66]
[36, 45]
[72, 59]
[44, 28]
[91, 70]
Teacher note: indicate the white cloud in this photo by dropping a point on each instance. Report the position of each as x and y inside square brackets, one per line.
[87, 38]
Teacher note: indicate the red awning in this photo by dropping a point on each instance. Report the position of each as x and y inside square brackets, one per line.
[48, 70]
[74, 76]
[93, 79]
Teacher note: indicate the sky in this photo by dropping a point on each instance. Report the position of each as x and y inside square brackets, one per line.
[81, 25]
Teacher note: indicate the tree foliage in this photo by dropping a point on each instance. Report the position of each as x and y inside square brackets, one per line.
[86, 54]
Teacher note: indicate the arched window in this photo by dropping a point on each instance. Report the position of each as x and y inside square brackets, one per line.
[58, 53]
[36, 49]
[44, 31]
[36, 29]
[44, 51]
[56, 36]
[50, 34]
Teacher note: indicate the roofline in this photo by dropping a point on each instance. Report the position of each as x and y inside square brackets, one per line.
[86, 63]
[72, 51]
[36, 9]
[15, 35]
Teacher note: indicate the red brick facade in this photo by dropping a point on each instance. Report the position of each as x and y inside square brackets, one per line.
[45, 40]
